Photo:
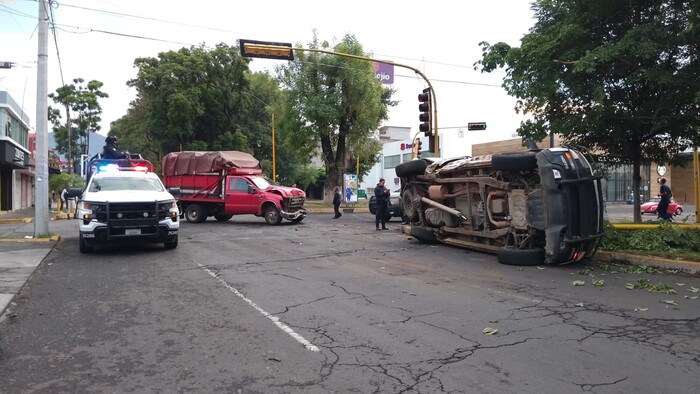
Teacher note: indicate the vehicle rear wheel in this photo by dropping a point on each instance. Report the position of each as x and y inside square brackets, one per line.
[195, 214]
[523, 257]
[514, 161]
[171, 245]
[223, 218]
[272, 215]
[410, 168]
[409, 211]
[84, 248]
[423, 234]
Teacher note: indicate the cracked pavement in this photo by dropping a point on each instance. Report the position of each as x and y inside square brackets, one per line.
[387, 313]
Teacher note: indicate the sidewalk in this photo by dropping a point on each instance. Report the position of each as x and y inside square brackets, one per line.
[21, 252]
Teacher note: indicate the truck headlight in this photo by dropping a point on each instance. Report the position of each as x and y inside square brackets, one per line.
[173, 211]
[85, 211]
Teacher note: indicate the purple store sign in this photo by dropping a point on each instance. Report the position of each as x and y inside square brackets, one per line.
[384, 72]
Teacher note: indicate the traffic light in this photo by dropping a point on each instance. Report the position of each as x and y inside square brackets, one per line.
[424, 108]
[419, 149]
[476, 126]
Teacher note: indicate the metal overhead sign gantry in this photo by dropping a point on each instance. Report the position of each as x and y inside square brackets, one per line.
[285, 51]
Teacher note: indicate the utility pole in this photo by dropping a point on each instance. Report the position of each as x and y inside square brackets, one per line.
[41, 193]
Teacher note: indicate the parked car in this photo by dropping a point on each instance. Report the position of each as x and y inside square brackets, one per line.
[394, 209]
[674, 208]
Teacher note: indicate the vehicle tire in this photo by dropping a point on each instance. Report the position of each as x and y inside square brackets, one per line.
[410, 168]
[298, 220]
[523, 257]
[679, 211]
[514, 161]
[423, 234]
[171, 245]
[372, 205]
[82, 245]
[195, 214]
[272, 215]
[410, 214]
[223, 218]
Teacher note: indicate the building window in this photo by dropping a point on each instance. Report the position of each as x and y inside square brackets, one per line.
[391, 161]
[406, 157]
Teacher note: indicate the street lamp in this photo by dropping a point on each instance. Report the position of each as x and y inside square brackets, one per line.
[285, 51]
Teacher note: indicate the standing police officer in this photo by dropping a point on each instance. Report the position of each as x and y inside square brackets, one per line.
[382, 195]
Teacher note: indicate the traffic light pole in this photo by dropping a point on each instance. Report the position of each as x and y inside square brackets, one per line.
[250, 48]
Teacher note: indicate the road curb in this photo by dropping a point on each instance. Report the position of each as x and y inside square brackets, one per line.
[691, 267]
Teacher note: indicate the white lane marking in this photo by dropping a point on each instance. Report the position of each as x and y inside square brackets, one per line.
[274, 319]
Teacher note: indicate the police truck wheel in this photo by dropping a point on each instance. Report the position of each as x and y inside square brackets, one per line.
[84, 248]
[171, 245]
[195, 214]
[272, 215]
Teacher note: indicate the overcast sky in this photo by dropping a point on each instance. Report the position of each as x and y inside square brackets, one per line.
[99, 39]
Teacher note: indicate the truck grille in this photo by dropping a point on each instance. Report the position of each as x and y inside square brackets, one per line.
[135, 214]
[295, 203]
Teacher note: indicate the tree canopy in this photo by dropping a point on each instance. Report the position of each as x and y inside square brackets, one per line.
[208, 99]
[334, 103]
[618, 77]
[82, 110]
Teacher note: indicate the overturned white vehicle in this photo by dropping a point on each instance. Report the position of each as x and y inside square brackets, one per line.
[529, 207]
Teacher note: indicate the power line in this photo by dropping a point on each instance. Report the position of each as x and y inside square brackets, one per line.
[55, 41]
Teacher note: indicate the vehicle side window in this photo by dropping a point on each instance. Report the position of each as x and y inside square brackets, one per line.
[239, 185]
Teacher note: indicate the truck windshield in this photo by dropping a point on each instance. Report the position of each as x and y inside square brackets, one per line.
[123, 183]
[262, 182]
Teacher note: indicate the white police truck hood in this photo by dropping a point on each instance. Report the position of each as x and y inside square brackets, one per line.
[127, 196]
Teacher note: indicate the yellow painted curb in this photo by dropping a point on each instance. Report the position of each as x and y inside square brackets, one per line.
[52, 239]
[20, 220]
[641, 226]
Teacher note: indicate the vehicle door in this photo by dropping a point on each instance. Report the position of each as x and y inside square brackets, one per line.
[242, 197]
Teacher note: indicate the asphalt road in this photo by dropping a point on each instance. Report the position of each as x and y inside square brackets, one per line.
[335, 306]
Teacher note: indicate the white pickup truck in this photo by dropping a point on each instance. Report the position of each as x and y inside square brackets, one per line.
[126, 204]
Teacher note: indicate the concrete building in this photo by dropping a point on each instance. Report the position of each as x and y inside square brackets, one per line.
[16, 163]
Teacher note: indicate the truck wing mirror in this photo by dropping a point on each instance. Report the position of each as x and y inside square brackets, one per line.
[175, 191]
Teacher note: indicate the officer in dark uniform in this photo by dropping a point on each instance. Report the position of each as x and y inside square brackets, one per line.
[382, 195]
[110, 149]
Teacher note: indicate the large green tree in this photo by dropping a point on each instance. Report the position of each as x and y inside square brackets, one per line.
[194, 98]
[80, 105]
[335, 104]
[618, 76]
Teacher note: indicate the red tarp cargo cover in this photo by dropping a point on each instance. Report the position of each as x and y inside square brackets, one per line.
[193, 162]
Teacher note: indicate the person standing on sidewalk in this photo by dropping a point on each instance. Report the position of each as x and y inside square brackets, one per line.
[336, 203]
[382, 195]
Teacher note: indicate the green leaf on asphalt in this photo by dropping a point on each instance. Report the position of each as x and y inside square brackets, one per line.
[629, 286]
[690, 297]
[578, 283]
[518, 269]
[540, 268]
[693, 290]
[680, 284]
[599, 283]
[490, 331]
[641, 309]
[580, 304]
[670, 302]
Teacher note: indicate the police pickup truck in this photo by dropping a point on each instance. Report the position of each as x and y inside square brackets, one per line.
[125, 202]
